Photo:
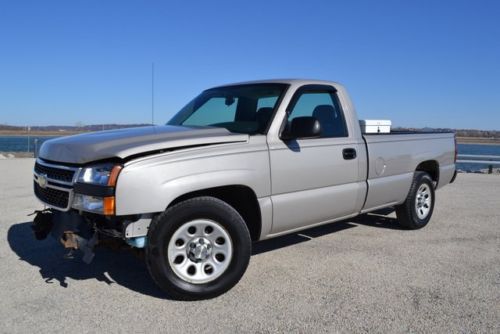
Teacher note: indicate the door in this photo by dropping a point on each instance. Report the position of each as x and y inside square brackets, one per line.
[314, 180]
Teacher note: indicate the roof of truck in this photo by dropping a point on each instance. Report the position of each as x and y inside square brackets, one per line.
[299, 82]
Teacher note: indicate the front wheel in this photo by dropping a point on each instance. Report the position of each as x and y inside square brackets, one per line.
[198, 249]
[417, 209]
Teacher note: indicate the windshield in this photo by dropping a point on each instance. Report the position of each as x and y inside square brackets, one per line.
[242, 109]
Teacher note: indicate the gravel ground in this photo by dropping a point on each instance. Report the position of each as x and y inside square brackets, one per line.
[362, 275]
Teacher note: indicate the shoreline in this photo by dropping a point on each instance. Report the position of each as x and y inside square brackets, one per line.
[39, 133]
[477, 141]
[16, 155]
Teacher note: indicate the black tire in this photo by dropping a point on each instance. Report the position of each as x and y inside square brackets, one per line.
[166, 224]
[410, 216]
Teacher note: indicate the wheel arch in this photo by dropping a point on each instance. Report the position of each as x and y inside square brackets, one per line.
[431, 167]
[241, 197]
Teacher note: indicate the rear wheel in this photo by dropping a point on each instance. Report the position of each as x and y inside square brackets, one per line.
[417, 209]
[198, 249]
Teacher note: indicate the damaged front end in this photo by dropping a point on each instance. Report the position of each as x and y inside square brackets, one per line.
[70, 228]
[81, 214]
[82, 232]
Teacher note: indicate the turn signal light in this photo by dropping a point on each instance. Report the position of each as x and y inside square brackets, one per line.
[109, 206]
[113, 176]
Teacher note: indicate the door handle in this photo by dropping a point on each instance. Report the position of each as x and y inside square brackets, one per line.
[349, 153]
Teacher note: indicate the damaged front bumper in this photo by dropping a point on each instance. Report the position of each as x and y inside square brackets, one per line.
[70, 228]
[82, 233]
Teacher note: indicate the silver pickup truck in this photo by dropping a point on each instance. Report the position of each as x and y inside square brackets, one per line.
[238, 164]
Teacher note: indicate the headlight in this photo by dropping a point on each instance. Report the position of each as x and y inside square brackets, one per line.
[99, 174]
[95, 204]
[95, 189]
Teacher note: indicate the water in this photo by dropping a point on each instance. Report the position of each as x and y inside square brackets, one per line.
[20, 144]
[479, 150]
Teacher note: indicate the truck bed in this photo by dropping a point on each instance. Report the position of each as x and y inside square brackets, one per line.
[393, 158]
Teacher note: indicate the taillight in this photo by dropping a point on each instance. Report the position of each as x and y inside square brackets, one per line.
[456, 148]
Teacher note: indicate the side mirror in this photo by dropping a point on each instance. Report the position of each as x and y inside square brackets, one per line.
[303, 127]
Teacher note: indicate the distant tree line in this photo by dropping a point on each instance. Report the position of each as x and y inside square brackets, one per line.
[11, 128]
[478, 133]
[459, 132]
[77, 127]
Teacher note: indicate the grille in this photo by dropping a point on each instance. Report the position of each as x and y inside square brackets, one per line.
[55, 173]
[54, 197]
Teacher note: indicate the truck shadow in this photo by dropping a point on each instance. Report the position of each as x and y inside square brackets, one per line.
[299, 237]
[378, 220]
[110, 267]
[127, 270]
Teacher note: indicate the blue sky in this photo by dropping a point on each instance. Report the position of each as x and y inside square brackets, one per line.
[418, 63]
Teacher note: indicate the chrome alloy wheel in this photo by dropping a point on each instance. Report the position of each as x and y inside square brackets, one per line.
[200, 251]
[423, 201]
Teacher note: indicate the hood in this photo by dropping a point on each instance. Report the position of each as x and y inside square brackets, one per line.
[123, 143]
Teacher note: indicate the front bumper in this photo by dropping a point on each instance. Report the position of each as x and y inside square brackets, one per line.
[70, 228]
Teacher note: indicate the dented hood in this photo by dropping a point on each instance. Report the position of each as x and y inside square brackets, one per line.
[124, 143]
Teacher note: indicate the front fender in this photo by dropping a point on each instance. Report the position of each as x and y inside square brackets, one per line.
[149, 188]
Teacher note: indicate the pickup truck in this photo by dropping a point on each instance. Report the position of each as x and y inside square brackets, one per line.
[238, 164]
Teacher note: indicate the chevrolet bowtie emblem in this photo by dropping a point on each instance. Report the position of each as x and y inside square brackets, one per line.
[42, 180]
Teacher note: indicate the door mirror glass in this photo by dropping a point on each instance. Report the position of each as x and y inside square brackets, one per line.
[303, 127]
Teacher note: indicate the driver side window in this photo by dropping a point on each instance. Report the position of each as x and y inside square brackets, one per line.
[324, 106]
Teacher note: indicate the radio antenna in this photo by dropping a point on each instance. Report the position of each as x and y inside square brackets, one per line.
[152, 93]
